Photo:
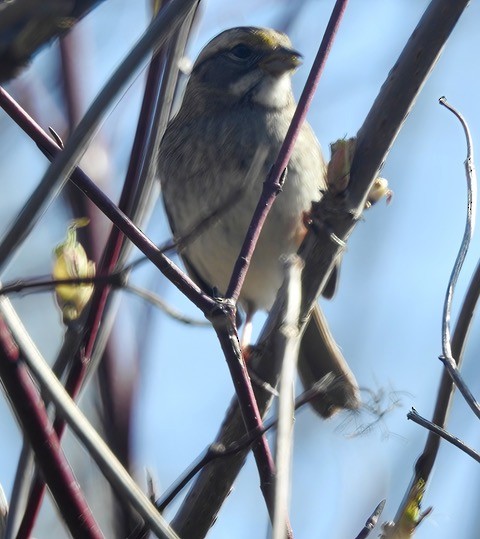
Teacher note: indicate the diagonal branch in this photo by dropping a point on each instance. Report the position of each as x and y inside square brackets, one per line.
[274, 182]
[36, 426]
[320, 249]
[99, 451]
[59, 171]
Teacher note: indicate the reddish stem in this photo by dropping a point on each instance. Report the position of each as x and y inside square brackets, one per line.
[272, 185]
[106, 267]
[119, 219]
[31, 413]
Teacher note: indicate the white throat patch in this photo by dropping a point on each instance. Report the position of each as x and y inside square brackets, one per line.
[269, 91]
[273, 92]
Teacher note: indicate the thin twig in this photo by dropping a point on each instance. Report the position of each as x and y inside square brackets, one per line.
[454, 372]
[417, 418]
[288, 348]
[447, 358]
[114, 280]
[157, 301]
[455, 349]
[99, 451]
[219, 451]
[469, 227]
[45, 284]
[372, 521]
[273, 183]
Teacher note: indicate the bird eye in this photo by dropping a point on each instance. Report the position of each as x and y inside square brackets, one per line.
[241, 52]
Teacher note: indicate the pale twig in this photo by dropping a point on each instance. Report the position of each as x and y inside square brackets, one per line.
[447, 358]
[414, 416]
[288, 348]
[99, 451]
[157, 301]
[426, 461]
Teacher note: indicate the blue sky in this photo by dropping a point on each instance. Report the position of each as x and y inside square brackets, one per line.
[386, 315]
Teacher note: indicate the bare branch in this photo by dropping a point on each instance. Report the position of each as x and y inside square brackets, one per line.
[417, 418]
[59, 171]
[273, 183]
[107, 462]
[288, 348]
[36, 426]
[447, 358]
[372, 521]
[375, 138]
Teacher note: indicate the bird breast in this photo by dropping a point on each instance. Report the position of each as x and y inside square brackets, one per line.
[212, 166]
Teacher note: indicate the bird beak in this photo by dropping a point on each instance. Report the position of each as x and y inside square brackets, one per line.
[280, 61]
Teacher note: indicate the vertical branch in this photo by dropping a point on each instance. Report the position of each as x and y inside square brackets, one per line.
[288, 348]
[452, 356]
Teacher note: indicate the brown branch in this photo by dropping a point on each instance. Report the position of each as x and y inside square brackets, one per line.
[320, 249]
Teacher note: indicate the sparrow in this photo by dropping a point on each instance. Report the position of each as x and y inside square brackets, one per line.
[213, 159]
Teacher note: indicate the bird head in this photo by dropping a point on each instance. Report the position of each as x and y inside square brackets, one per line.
[246, 64]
